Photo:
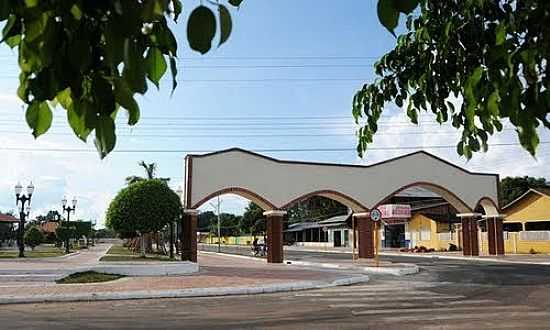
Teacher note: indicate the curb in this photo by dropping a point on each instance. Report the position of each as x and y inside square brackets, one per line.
[186, 293]
[396, 271]
[475, 259]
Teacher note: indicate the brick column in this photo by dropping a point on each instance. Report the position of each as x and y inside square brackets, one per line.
[466, 237]
[189, 236]
[274, 220]
[499, 233]
[365, 235]
[491, 236]
[474, 237]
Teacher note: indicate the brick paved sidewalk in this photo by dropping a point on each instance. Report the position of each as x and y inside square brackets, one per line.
[215, 272]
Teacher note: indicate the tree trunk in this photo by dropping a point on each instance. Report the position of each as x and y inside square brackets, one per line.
[142, 241]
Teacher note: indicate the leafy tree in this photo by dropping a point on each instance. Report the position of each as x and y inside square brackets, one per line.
[105, 233]
[82, 228]
[513, 187]
[315, 208]
[253, 220]
[143, 207]
[490, 57]
[33, 237]
[205, 221]
[52, 215]
[92, 57]
[65, 232]
[150, 171]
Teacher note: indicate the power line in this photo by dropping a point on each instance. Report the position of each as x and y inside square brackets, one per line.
[329, 57]
[250, 135]
[183, 151]
[275, 66]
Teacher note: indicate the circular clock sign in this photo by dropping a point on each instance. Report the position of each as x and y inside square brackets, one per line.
[375, 215]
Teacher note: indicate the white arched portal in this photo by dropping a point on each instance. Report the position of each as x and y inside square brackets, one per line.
[276, 184]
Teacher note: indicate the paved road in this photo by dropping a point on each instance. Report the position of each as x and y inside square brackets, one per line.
[445, 294]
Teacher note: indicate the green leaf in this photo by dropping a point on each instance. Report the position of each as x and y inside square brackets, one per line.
[388, 15]
[125, 98]
[201, 28]
[412, 113]
[76, 12]
[39, 118]
[177, 9]
[134, 68]
[174, 71]
[235, 3]
[156, 65]
[493, 103]
[31, 3]
[5, 9]
[76, 118]
[105, 138]
[405, 6]
[500, 34]
[226, 24]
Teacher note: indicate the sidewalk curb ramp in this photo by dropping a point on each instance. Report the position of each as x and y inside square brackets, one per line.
[185, 293]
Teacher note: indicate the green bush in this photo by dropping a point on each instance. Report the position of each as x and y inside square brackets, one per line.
[33, 237]
[143, 207]
[65, 232]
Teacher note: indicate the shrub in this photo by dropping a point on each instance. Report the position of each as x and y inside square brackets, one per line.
[532, 251]
[33, 237]
[453, 247]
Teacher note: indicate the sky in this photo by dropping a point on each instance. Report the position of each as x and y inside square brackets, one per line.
[284, 80]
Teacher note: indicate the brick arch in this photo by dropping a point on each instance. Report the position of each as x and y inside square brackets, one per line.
[344, 199]
[445, 193]
[243, 192]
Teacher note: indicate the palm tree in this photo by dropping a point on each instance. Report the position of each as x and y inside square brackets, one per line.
[150, 171]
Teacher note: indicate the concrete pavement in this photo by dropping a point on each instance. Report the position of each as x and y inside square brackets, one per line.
[219, 275]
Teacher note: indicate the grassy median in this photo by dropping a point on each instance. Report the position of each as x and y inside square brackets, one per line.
[121, 253]
[40, 252]
[88, 277]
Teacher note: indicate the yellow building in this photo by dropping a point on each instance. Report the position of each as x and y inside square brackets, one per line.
[526, 227]
[527, 222]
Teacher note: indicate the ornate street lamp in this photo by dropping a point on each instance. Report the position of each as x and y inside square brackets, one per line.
[20, 201]
[68, 209]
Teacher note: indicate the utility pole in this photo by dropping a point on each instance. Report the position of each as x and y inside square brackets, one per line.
[217, 208]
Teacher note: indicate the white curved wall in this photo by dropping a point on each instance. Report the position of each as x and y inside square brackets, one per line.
[280, 182]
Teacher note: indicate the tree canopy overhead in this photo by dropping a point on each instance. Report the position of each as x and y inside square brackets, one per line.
[92, 57]
[490, 57]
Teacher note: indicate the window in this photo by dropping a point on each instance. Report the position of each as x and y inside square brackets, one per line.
[512, 226]
[537, 226]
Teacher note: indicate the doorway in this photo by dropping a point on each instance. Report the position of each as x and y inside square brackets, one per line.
[394, 236]
[337, 238]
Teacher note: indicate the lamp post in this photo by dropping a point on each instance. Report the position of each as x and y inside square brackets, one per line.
[179, 192]
[68, 209]
[22, 199]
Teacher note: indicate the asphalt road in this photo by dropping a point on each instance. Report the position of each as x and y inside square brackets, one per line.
[444, 295]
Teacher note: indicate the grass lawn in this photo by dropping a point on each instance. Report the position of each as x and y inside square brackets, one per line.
[150, 257]
[88, 277]
[119, 249]
[121, 253]
[39, 252]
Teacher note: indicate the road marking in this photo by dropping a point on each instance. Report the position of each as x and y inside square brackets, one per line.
[367, 294]
[408, 304]
[482, 316]
[439, 310]
[388, 299]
